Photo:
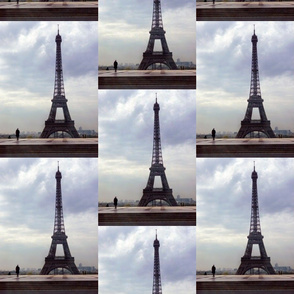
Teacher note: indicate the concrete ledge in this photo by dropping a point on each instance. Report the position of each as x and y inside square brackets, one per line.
[48, 11]
[147, 79]
[49, 147]
[49, 284]
[249, 11]
[147, 216]
[273, 284]
[245, 148]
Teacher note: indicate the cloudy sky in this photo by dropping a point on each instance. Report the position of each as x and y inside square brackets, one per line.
[27, 63]
[126, 258]
[224, 190]
[124, 27]
[27, 201]
[126, 138]
[224, 51]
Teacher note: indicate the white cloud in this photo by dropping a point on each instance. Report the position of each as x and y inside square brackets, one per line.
[224, 68]
[127, 252]
[27, 61]
[124, 29]
[224, 191]
[27, 200]
[126, 136]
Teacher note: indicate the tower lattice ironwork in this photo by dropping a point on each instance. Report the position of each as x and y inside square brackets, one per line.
[53, 125]
[156, 269]
[249, 125]
[151, 194]
[53, 262]
[248, 261]
[151, 57]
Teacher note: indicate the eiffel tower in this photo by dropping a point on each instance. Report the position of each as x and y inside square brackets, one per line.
[249, 125]
[248, 261]
[151, 57]
[53, 125]
[151, 194]
[53, 262]
[156, 269]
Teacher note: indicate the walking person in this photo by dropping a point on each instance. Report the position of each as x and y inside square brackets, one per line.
[17, 270]
[115, 65]
[17, 134]
[115, 202]
[213, 134]
[213, 270]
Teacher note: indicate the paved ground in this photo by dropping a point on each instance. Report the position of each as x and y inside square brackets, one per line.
[147, 216]
[255, 284]
[73, 11]
[245, 10]
[26, 284]
[147, 79]
[82, 147]
[245, 147]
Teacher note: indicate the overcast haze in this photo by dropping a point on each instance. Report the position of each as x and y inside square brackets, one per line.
[224, 51]
[126, 138]
[27, 63]
[27, 200]
[224, 191]
[124, 27]
[126, 258]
